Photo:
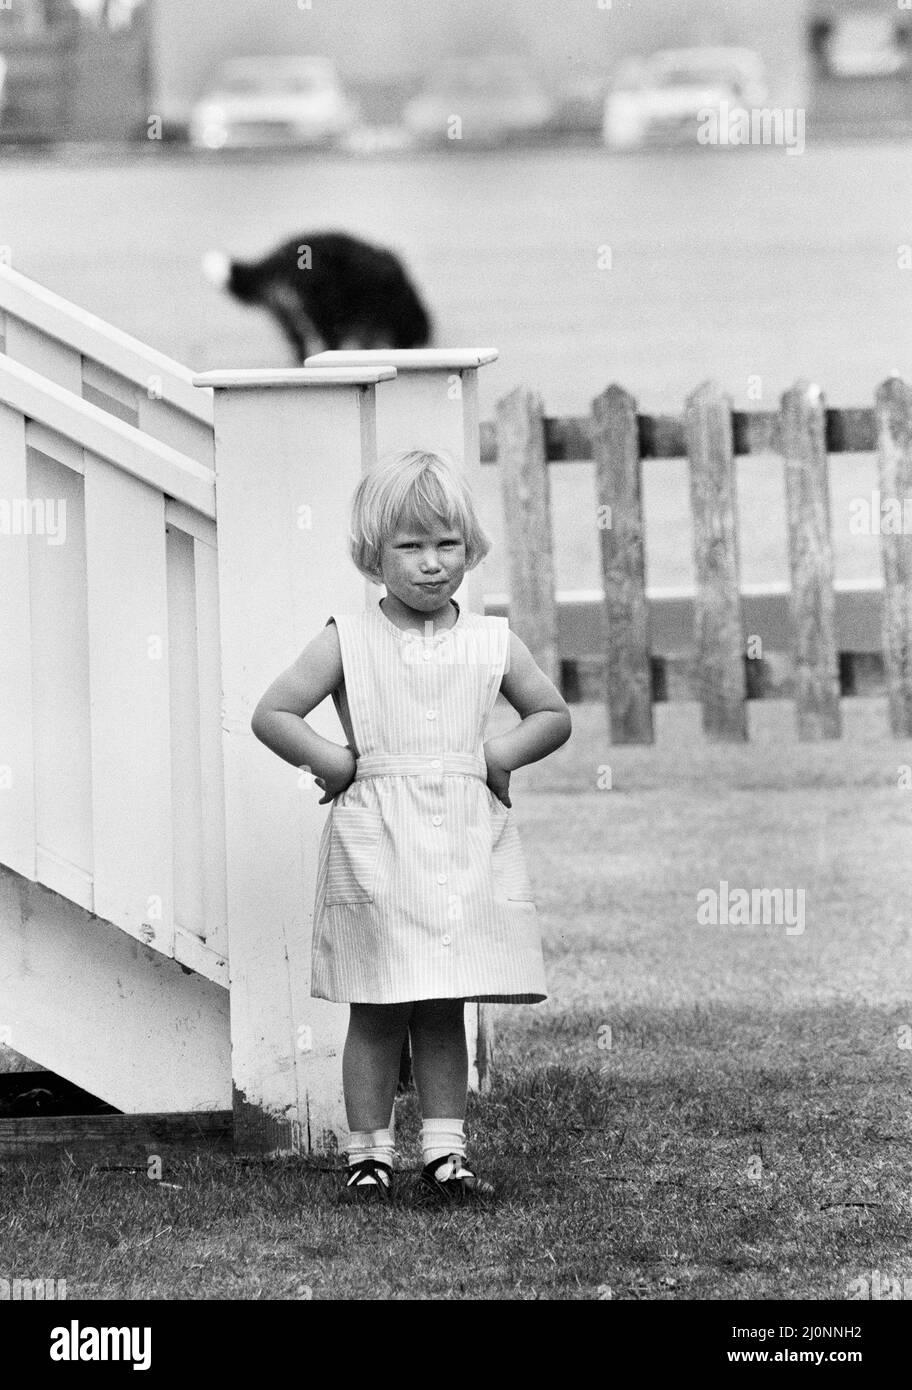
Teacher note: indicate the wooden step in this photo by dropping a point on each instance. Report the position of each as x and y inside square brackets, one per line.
[122, 1139]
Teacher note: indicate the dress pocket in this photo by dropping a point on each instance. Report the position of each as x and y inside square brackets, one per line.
[354, 851]
[508, 860]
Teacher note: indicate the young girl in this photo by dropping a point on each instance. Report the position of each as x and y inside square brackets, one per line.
[423, 900]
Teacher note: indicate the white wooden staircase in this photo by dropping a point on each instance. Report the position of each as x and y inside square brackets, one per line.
[112, 837]
[139, 817]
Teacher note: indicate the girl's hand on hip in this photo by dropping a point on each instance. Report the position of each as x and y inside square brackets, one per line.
[339, 775]
[498, 778]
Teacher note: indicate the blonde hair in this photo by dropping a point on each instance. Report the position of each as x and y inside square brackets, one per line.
[413, 489]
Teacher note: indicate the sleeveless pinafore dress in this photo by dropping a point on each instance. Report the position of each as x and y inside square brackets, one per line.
[422, 885]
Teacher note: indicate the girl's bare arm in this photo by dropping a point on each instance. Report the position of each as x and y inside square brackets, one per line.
[545, 716]
[278, 720]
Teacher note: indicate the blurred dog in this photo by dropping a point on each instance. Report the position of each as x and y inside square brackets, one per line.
[328, 290]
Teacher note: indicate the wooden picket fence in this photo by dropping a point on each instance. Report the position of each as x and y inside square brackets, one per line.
[710, 434]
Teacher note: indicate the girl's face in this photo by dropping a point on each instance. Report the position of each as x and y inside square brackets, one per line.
[423, 568]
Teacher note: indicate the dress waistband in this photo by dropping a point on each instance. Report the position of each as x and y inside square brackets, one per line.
[420, 764]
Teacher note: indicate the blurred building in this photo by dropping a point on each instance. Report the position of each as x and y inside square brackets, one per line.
[75, 69]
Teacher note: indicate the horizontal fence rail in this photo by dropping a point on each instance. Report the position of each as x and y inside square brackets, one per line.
[110, 681]
[710, 435]
[569, 439]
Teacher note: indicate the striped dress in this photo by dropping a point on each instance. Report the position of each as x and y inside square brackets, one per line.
[422, 886]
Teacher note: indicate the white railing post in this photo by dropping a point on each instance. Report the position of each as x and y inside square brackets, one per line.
[433, 404]
[290, 446]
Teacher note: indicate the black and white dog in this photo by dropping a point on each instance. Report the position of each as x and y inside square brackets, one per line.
[328, 290]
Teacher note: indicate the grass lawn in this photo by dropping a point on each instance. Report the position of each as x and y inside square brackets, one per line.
[696, 1112]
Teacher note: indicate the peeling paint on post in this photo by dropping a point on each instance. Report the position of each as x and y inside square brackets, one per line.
[256, 1131]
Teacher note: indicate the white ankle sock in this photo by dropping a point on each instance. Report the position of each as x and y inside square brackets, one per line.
[370, 1143]
[442, 1137]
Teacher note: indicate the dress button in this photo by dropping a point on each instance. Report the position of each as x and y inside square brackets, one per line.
[426, 656]
[432, 714]
[441, 878]
[445, 940]
[437, 820]
[435, 762]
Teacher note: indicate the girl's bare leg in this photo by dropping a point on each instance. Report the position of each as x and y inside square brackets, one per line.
[440, 1059]
[370, 1062]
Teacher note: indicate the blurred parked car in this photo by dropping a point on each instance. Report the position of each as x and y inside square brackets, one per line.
[872, 43]
[494, 97]
[265, 101]
[661, 97]
[580, 103]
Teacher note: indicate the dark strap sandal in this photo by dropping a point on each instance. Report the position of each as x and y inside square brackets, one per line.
[452, 1180]
[367, 1181]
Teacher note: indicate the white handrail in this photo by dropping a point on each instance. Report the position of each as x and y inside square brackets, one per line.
[100, 341]
[407, 359]
[175, 474]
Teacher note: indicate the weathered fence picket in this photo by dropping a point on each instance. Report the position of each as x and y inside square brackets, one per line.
[894, 419]
[718, 637]
[814, 654]
[526, 500]
[615, 448]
